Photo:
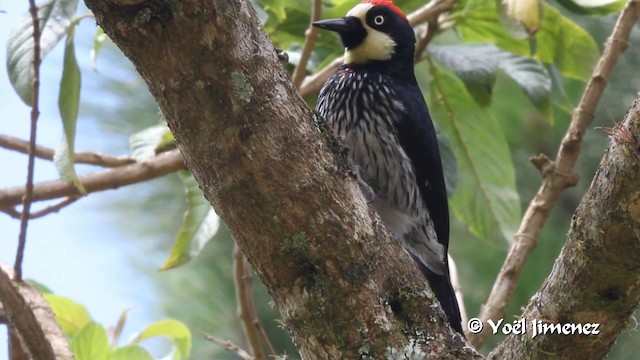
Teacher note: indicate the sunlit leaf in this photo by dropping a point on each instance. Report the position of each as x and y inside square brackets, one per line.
[147, 143]
[199, 226]
[68, 103]
[98, 40]
[172, 329]
[131, 352]
[55, 18]
[69, 314]
[91, 343]
[593, 7]
[521, 18]
[485, 198]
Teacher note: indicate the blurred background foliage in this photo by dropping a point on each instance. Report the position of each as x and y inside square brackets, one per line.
[201, 294]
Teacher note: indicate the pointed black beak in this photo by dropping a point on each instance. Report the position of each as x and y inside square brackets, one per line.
[344, 25]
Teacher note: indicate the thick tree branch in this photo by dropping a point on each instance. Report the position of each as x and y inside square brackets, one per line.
[557, 175]
[31, 319]
[81, 157]
[161, 165]
[596, 278]
[269, 171]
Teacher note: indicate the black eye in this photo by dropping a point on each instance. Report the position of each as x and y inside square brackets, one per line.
[378, 20]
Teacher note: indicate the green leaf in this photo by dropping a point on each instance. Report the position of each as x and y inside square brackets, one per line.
[69, 314]
[593, 7]
[476, 65]
[559, 41]
[199, 226]
[55, 18]
[131, 352]
[98, 40]
[486, 198]
[147, 143]
[68, 103]
[533, 79]
[172, 329]
[91, 343]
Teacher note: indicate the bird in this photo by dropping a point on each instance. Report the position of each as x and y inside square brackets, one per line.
[374, 105]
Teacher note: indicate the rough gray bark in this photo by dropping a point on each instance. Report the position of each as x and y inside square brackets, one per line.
[344, 289]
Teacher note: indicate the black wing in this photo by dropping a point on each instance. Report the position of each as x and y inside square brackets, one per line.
[417, 137]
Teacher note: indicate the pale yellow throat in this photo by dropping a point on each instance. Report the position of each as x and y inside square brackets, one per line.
[376, 46]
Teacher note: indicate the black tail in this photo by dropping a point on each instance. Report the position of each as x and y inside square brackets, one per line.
[441, 286]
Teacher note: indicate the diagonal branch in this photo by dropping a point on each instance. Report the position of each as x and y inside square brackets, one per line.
[557, 175]
[81, 157]
[163, 164]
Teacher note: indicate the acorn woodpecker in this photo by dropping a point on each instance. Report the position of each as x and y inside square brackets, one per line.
[373, 103]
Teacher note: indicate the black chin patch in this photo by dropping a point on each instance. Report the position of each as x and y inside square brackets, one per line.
[356, 34]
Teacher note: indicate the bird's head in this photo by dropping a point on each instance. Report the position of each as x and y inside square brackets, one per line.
[374, 30]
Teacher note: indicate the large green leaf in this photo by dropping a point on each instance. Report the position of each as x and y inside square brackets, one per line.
[55, 18]
[486, 198]
[477, 64]
[199, 226]
[559, 41]
[91, 343]
[68, 103]
[70, 315]
[175, 331]
[593, 7]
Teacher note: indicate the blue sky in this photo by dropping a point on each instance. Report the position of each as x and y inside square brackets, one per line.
[78, 252]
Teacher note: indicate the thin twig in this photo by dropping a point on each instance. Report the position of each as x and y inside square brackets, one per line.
[35, 113]
[430, 11]
[46, 211]
[251, 306]
[558, 175]
[81, 157]
[430, 31]
[244, 308]
[230, 347]
[161, 165]
[311, 37]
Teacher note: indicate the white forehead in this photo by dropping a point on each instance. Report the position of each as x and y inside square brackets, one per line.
[360, 10]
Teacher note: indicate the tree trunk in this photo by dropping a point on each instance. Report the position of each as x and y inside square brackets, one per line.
[280, 182]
